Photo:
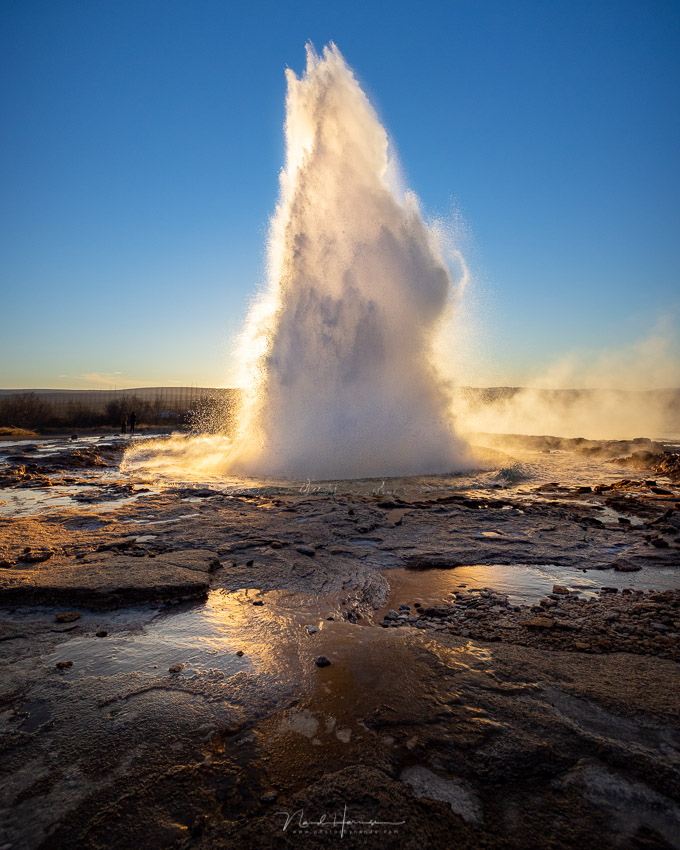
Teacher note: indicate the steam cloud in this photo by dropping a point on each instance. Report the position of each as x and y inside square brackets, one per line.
[622, 394]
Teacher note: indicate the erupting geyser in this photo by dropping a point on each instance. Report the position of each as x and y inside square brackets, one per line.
[340, 380]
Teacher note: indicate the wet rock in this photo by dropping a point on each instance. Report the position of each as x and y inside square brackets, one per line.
[560, 589]
[35, 556]
[621, 565]
[322, 661]
[7, 564]
[102, 633]
[176, 668]
[540, 623]
[436, 611]
[460, 797]
[258, 602]
[198, 825]
[240, 653]
[665, 596]
[64, 665]
[109, 580]
[306, 550]
[67, 616]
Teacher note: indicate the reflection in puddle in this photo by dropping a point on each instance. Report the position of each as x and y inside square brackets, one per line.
[146, 521]
[204, 637]
[201, 637]
[23, 502]
[523, 584]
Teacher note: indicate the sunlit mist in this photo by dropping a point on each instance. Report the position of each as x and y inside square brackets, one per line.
[338, 351]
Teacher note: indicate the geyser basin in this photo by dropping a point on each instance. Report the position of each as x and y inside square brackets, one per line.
[340, 379]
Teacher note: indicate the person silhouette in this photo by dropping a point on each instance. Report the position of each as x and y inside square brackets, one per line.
[133, 422]
[123, 424]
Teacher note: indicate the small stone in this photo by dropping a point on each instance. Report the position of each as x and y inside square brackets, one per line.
[540, 623]
[312, 630]
[258, 602]
[306, 550]
[664, 596]
[624, 566]
[37, 556]
[176, 668]
[580, 645]
[67, 616]
[198, 825]
[240, 653]
[322, 661]
[6, 564]
[560, 589]
[102, 633]
[269, 797]
[606, 589]
[64, 665]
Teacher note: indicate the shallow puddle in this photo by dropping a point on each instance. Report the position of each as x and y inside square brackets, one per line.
[524, 584]
[204, 637]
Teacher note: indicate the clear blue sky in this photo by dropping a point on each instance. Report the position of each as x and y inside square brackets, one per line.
[142, 141]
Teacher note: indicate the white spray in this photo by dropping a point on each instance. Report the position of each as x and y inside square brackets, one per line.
[338, 368]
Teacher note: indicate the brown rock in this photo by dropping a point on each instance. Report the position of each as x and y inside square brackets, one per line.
[623, 566]
[36, 556]
[560, 589]
[106, 579]
[540, 623]
[67, 616]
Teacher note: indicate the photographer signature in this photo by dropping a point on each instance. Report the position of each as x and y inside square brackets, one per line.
[344, 823]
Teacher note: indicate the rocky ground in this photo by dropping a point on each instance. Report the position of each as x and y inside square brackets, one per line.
[163, 679]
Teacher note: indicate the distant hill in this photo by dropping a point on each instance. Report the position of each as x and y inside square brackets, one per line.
[567, 413]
